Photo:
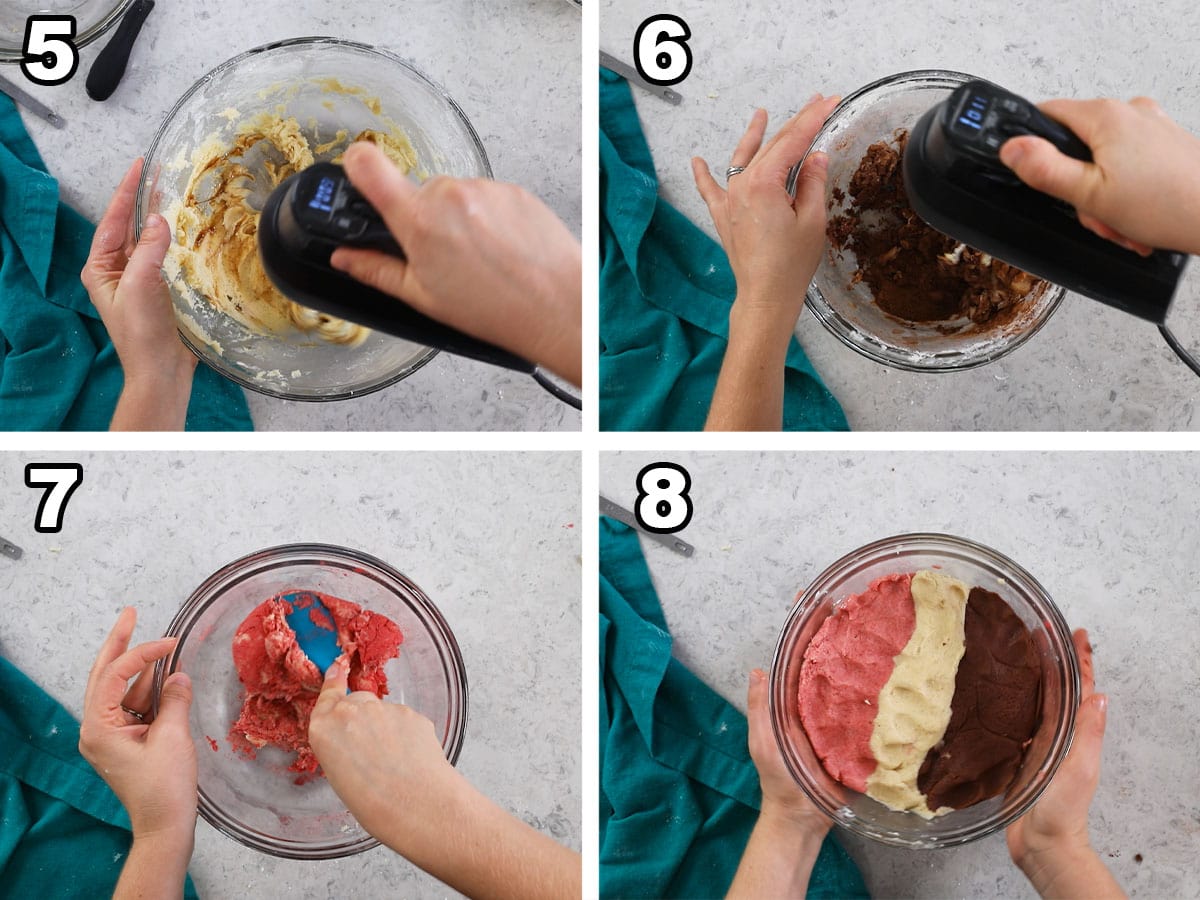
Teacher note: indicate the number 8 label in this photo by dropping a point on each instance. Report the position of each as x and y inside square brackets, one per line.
[663, 505]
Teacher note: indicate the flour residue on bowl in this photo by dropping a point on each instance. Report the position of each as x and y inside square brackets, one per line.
[215, 222]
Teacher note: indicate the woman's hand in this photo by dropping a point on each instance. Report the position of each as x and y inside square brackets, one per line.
[150, 763]
[126, 286]
[1050, 843]
[1142, 189]
[486, 258]
[383, 759]
[387, 764]
[774, 244]
[783, 847]
[782, 797]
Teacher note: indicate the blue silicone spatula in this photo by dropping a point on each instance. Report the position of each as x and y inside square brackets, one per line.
[315, 631]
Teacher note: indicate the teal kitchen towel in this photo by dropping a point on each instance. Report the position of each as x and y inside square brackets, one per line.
[63, 832]
[679, 794]
[665, 293]
[58, 368]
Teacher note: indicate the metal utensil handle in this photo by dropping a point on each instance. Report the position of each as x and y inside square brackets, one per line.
[36, 107]
[630, 74]
[612, 510]
[9, 549]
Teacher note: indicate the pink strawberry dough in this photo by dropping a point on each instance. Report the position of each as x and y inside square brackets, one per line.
[846, 665]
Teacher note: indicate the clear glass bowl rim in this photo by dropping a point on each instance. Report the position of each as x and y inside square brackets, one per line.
[867, 345]
[81, 40]
[933, 542]
[233, 572]
[151, 155]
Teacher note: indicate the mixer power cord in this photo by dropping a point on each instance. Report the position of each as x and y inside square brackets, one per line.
[1188, 360]
[555, 391]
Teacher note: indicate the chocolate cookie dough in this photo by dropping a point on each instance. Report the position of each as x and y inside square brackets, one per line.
[995, 710]
[914, 272]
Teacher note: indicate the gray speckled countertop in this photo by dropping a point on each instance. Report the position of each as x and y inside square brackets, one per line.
[147, 529]
[1110, 536]
[512, 65]
[1091, 367]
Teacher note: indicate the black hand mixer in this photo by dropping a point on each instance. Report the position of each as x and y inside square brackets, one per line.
[956, 182]
[317, 210]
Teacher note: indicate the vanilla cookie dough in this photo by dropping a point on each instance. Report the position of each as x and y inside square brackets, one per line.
[216, 223]
[914, 704]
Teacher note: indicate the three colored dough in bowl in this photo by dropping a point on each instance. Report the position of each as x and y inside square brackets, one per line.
[922, 692]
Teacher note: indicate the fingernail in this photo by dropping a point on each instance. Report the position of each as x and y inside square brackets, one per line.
[815, 97]
[181, 679]
[154, 222]
[757, 675]
[1102, 702]
[1011, 153]
[818, 161]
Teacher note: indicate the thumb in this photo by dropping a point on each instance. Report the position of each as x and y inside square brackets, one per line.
[383, 185]
[1089, 739]
[1038, 163]
[758, 715]
[143, 274]
[335, 686]
[810, 186]
[175, 702]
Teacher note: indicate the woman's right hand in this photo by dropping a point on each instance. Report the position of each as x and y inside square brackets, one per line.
[382, 759]
[1142, 189]
[386, 763]
[486, 258]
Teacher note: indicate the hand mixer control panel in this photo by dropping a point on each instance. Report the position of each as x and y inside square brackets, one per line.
[979, 117]
[326, 206]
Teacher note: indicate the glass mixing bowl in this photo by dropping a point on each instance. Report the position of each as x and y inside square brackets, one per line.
[977, 566]
[876, 113]
[298, 78]
[257, 802]
[92, 19]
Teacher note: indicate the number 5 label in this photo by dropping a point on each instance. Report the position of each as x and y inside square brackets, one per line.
[663, 505]
[60, 481]
[660, 50]
[50, 54]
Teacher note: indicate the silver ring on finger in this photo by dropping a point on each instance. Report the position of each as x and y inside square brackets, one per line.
[133, 712]
[734, 170]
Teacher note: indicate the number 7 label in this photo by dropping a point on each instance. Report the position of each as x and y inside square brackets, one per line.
[60, 481]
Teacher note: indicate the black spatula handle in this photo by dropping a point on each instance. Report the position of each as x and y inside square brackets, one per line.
[109, 67]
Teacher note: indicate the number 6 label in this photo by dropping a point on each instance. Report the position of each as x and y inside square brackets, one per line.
[663, 505]
[50, 56]
[660, 50]
[60, 481]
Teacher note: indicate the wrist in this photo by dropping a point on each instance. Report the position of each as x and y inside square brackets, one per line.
[434, 811]
[169, 846]
[154, 401]
[1044, 864]
[766, 324]
[799, 823]
[557, 342]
